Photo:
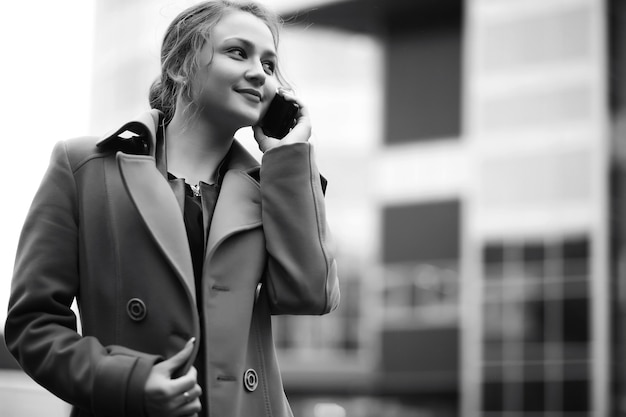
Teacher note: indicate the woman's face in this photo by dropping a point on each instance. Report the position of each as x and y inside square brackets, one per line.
[236, 81]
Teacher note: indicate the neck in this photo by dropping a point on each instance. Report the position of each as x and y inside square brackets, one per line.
[195, 147]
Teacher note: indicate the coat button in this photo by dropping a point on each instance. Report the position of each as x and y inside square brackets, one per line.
[136, 309]
[250, 380]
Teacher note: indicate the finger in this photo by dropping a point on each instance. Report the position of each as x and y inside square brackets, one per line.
[289, 95]
[301, 131]
[180, 358]
[188, 396]
[189, 407]
[303, 111]
[265, 142]
[259, 135]
[190, 392]
[185, 383]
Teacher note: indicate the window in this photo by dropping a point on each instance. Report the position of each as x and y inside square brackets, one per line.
[536, 326]
[423, 75]
[421, 232]
[421, 263]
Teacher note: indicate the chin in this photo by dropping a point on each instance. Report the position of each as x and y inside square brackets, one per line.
[251, 118]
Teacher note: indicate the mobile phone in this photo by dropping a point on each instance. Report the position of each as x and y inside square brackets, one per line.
[279, 118]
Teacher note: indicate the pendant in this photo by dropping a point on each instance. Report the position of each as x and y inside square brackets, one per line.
[196, 190]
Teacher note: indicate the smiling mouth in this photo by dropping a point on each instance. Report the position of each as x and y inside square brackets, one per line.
[251, 95]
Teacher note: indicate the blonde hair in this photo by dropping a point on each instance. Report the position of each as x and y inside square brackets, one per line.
[184, 38]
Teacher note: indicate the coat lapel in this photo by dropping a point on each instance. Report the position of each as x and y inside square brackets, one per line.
[160, 204]
[238, 206]
[160, 210]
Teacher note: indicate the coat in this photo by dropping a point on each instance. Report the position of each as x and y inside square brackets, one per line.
[106, 227]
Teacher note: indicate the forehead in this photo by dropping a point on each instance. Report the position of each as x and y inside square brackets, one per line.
[243, 25]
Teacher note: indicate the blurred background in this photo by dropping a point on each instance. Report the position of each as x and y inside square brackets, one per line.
[477, 168]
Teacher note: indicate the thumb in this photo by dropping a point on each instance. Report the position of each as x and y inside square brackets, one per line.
[173, 363]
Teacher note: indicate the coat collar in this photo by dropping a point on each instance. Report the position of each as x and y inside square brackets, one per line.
[144, 176]
[141, 130]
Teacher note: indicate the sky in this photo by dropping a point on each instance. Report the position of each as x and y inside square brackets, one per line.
[46, 73]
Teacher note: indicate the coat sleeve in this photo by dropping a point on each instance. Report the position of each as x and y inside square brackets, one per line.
[301, 271]
[40, 330]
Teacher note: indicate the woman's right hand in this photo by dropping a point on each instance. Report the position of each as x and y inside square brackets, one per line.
[301, 132]
[167, 397]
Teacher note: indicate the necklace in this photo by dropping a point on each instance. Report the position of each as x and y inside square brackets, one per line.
[195, 189]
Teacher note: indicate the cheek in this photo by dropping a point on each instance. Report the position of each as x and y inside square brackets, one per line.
[271, 84]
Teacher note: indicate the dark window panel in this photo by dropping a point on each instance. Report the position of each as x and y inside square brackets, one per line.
[534, 396]
[493, 394]
[576, 320]
[534, 252]
[534, 326]
[575, 396]
[515, 393]
[534, 255]
[554, 395]
[433, 350]
[576, 248]
[423, 78]
[493, 254]
[421, 232]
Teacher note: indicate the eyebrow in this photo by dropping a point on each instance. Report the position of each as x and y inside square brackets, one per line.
[250, 44]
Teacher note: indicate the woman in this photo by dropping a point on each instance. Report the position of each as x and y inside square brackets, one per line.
[177, 245]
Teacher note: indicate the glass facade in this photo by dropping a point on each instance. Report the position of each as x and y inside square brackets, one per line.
[536, 330]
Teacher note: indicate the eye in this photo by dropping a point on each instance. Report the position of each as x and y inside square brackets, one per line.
[238, 52]
[269, 67]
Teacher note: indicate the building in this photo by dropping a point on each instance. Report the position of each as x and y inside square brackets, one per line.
[496, 268]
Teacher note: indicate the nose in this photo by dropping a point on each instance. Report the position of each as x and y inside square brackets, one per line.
[256, 74]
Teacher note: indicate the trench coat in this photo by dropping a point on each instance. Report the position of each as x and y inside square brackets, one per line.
[106, 228]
